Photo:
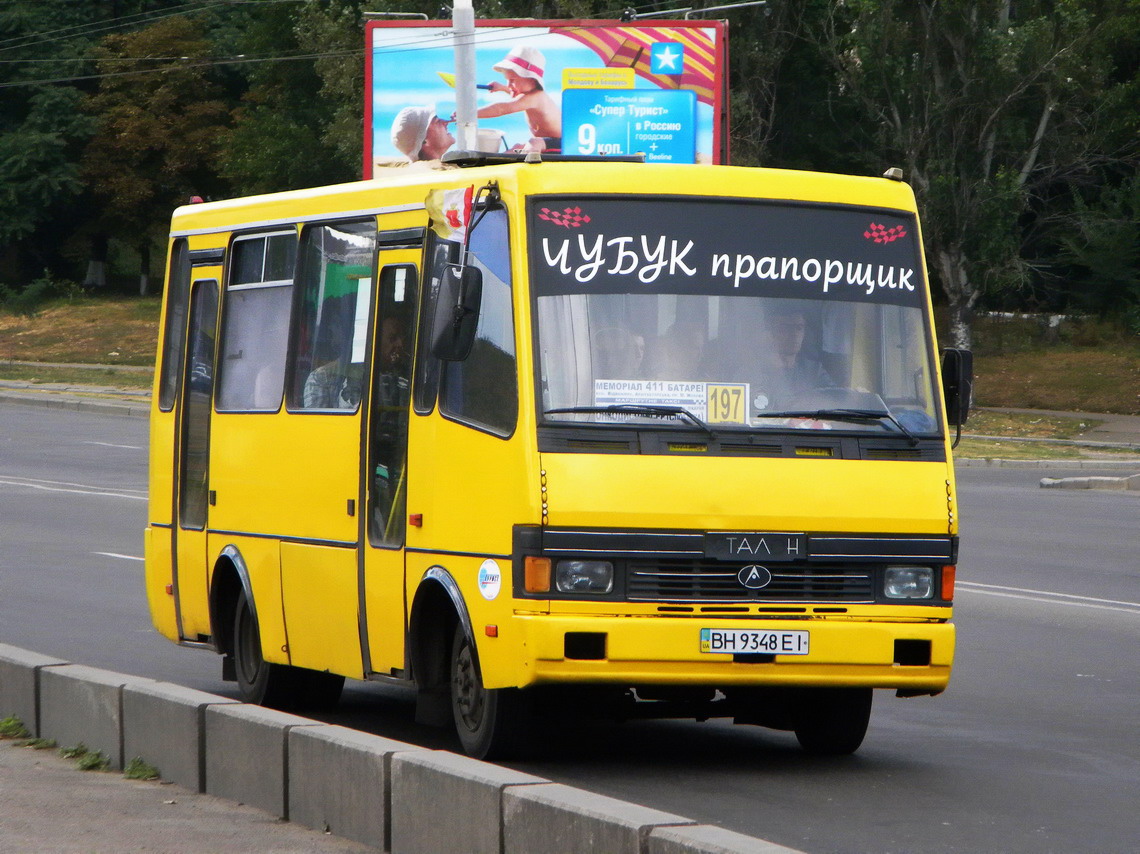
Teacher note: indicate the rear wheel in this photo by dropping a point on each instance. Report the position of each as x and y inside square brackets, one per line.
[833, 721]
[278, 686]
[491, 723]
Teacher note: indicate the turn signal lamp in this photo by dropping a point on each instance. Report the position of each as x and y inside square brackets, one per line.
[536, 574]
[948, 573]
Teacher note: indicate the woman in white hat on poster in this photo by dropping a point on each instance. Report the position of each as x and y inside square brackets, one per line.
[419, 134]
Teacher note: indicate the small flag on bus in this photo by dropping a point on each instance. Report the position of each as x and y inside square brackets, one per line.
[450, 212]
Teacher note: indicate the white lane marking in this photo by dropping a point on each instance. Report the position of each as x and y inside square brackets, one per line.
[1048, 597]
[109, 445]
[115, 554]
[75, 488]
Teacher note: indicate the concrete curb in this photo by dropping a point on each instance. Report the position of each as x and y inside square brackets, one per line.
[1092, 465]
[1117, 484]
[393, 796]
[108, 405]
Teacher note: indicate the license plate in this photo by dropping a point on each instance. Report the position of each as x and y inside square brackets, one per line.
[754, 641]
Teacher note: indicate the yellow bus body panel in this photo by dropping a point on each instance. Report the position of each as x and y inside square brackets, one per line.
[159, 574]
[319, 593]
[734, 494]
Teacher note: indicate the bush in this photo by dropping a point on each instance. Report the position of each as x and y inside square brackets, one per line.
[31, 299]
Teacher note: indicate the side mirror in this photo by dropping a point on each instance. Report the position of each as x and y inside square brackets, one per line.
[957, 384]
[456, 312]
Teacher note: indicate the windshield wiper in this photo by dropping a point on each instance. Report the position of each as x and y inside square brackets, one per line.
[634, 409]
[856, 415]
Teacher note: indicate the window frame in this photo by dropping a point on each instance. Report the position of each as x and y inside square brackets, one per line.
[264, 284]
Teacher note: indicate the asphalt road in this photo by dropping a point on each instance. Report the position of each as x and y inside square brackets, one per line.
[1035, 746]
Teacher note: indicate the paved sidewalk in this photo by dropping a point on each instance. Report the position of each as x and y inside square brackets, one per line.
[48, 805]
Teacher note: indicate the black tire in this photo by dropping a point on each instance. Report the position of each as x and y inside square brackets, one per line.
[833, 721]
[277, 686]
[491, 724]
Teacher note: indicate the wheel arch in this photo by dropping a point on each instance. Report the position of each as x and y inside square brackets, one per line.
[437, 608]
[230, 578]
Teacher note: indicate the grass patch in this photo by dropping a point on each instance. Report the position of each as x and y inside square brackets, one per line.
[1063, 378]
[116, 331]
[110, 377]
[983, 449]
[1020, 425]
[137, 769]
[13, 727]
[86, 760]
[39, 743]
[73, 752]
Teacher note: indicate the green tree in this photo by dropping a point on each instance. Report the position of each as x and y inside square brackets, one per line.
[277, 141]
[41, 131]
[334, 32]
[158, 131]
[981, 102]
[1101, 252]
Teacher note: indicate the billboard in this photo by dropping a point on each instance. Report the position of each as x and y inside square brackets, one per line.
[568, 87]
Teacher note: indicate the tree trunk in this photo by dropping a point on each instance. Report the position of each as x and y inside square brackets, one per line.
[144, 268]
[960, 294]
[97, 265]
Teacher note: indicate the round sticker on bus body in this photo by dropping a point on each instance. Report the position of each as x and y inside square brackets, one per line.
[490, 579]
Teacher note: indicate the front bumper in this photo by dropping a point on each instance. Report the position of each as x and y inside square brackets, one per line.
[666, 651]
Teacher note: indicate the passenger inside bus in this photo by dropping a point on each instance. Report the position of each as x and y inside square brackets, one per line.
[618, 353]
[389, 432]
[678, 354]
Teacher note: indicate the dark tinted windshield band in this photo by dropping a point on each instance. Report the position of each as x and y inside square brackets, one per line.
[600, 245]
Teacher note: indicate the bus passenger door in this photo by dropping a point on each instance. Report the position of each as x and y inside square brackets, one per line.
[385, 463]
[192, 492]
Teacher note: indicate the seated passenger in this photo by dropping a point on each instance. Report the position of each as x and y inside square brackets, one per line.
[678, 353]
[618, 353]
[790, 371]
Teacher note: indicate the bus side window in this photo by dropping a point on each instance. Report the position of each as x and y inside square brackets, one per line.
[482, 390]
[331, 315]
[174, 336]
[388, 443]
[255, 323]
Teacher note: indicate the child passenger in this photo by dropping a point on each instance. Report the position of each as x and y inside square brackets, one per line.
[523, 68]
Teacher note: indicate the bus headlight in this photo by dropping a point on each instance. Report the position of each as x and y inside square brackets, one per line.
[584, 576]
[908, 582]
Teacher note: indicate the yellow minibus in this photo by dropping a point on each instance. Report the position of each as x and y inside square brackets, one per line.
[532, 434]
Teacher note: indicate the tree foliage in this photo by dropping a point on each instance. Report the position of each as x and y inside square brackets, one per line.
[1017, 123]
[156, 142]
[986, 105]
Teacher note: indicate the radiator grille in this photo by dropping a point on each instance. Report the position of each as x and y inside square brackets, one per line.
[705, 581]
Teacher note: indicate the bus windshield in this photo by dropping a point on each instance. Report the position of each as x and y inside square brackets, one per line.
[737, 315]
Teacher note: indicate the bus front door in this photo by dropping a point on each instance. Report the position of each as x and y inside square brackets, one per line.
[385, 469]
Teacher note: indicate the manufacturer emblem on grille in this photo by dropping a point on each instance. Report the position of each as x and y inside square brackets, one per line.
[754, 577]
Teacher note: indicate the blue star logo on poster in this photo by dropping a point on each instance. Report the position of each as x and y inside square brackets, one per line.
[666, 58]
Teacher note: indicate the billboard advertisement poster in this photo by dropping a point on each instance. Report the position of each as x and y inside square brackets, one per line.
[566, 87]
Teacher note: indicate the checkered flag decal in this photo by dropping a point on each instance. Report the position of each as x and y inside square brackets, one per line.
[567, 217]
[882, 234]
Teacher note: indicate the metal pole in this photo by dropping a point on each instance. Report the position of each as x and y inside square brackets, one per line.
[463, 30]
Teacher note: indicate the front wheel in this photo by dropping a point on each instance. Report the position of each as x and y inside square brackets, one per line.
[833, 721]
[491, 723]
